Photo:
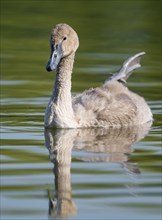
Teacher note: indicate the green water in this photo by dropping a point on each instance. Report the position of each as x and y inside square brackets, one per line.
[103, 174]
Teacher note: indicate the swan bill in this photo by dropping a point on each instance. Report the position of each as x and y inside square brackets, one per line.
[56, 55]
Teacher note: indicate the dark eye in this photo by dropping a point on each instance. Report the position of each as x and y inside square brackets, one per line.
[65, 38]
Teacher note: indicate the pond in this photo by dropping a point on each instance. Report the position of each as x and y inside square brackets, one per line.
[82, 173]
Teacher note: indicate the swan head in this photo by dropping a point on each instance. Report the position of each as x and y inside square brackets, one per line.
[63, 42]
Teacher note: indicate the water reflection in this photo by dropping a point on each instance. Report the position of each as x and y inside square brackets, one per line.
[60, 144]
[112, 145]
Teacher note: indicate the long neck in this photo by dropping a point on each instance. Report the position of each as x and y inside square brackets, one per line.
[62, 87]
[61, 95]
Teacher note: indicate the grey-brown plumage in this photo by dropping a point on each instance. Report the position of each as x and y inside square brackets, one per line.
[111, 105]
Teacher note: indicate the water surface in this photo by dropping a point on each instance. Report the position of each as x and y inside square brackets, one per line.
[78, 174]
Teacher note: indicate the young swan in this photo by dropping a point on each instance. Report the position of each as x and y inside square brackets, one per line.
[111, 105]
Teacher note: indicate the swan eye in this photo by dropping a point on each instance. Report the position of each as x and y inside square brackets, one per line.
[64, 38]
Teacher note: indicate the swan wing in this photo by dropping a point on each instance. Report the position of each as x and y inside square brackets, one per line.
[109, 105]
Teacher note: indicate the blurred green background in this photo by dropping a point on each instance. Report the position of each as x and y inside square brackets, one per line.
[109, 31]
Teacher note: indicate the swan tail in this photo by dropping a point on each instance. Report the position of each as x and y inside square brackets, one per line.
[127, 68]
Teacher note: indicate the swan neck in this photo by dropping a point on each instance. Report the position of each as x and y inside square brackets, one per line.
[60, 112]
[62, 86]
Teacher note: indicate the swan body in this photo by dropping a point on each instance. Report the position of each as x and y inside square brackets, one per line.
[111, 105]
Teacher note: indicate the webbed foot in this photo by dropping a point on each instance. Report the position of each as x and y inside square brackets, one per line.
[127, 68]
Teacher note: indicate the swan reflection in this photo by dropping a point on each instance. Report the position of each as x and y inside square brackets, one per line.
[107, 145]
